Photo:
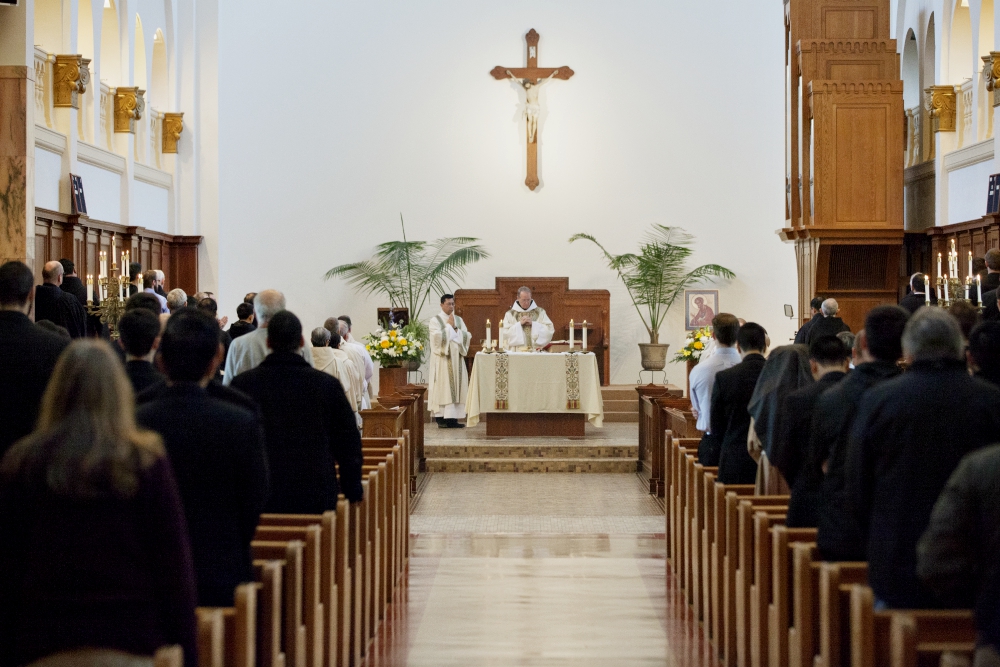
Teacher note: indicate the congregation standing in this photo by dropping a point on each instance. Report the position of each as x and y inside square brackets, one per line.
[133, 474]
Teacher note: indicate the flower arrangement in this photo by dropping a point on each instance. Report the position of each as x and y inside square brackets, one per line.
[392, 346]
[694, 345]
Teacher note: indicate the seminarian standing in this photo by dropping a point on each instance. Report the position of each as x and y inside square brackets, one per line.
[918, 295]
[526, 317]
[447, 382]
[828, 325]
[990, 285]
[730, 398]
[57, 306]
[725, 329]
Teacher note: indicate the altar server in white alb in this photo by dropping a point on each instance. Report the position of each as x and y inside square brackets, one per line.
[524, 319]
[447, 382]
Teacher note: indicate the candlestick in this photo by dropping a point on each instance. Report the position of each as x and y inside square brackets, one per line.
[90, 288]
[585, 335]
[489, 333]
[501, 337]
[927, 289]
[970, 265]
[966, 290]
[946, 297]
[979, 288]
[939, 265]
[572, 332]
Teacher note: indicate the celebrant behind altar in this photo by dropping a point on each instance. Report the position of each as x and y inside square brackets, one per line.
[525, 324]
[447, 382]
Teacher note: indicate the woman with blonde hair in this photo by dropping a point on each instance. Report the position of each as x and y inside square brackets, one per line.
[94, 550]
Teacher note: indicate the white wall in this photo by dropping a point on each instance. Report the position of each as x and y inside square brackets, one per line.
[149, 206]
[48, 169]
[102, 189]
[373, 109]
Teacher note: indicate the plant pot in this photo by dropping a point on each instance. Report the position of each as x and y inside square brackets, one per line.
[389, 379]
[654, 356]
[411, 366]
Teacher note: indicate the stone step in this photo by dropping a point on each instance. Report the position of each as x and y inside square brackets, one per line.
[621, 406]
[563, 450]
[621, 417]
[619, 393]
[616, 465]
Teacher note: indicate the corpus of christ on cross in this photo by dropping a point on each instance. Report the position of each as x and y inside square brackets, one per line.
[530, 78]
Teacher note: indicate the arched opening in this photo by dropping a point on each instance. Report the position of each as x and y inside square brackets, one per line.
[111, 51]
[986, 37]
[159, 86]
[85, 47]
[927, 77]
[911, 71]
[48, 25]
[960, 45]
[139, 79]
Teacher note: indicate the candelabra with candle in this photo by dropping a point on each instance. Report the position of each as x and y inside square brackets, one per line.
[112, 288]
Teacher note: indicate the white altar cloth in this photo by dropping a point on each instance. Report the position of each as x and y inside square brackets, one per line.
[536, 383]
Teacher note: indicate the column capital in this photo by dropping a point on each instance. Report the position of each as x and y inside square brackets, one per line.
[942, 102]
[991, 73]
[129, 107]
[173, 125]
[71, 76]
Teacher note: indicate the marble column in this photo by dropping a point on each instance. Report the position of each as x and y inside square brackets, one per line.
[17, 163]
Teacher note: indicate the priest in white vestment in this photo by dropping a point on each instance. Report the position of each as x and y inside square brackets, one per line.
[358, 354]
[526, 319]
[337, 363]
[447, 381]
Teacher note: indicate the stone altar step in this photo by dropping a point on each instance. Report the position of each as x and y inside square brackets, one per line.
[621, 403]
[558, 456]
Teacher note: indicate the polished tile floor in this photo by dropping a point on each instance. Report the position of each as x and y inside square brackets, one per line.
[537, 569]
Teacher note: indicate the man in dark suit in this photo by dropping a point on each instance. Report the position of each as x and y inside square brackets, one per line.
[814, 306]
[908, 438]
[308, 422]
[28, 355]
[829, 324]
[135, 275]
[244, 324]
[917, 296]
[57, 306]
[828, 361]
[730, 398]
[983, 355]
[139, 332]
[71, 282]
[217, 452]
[991, 285]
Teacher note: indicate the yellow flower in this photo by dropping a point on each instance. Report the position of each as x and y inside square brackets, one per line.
[402, 341]
[385, 345]
[392, 334]
[698, 345]
[368, 347]
[687, 353]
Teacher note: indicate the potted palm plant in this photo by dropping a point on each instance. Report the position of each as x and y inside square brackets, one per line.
[655, 278]
[408, 273]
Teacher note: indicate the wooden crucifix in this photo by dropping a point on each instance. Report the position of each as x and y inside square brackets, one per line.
[530, 78]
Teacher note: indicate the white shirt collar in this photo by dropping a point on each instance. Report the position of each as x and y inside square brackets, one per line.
[518, 308]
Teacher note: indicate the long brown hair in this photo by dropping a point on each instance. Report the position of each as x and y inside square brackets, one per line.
[86, 443]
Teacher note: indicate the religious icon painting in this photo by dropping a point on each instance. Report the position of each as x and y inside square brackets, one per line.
[78, 201]
[700, 306]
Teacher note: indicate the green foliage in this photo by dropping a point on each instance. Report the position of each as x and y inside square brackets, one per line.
[658, 274]
[410, 273]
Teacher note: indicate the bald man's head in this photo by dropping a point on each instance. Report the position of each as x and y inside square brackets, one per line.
[52, 273]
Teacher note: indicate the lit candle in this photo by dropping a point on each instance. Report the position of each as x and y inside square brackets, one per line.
[967, 289]
[572, 334]
[585, 335]
[500, 336]
[970, 265]
[979, 288]
[90, 288]
[114, 251]
[927, 289]
[489, 334]
[946, 297]
[939, 265]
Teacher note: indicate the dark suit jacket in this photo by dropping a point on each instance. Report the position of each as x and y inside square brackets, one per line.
[800, 336]
[911, 303]
[73, 285]
[839, 537]
[108, 572]
[826, 326]
[217, 452]
[62, 308]
[309, 427]
[238, 328]
[214, 389]
[788, 453]
[28, 355]
[730, 398]
[909, 435]
[143, 375]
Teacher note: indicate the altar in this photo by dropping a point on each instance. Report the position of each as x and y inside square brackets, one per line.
[535, 393]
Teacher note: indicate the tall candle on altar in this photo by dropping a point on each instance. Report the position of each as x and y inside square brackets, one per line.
[585, 335]
[970, 264]
[500, 337]
[939, 265]
[90, 288]
[946, 297]
[927, 289]
[489, 333]
[979, 290]
[572, 333]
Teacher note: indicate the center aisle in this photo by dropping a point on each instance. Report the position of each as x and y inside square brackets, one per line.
[537, 569]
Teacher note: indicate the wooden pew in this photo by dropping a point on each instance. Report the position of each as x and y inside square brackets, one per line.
[227, 636]
[914, 642]
[295, 634]
[779, 609]
[748, 549]
[211, 637]
[835, 580]
[169, 656]
[937, 630]
[718, 546]
[696, 541]
[803, 635]
[270, 603]
[729, 565]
